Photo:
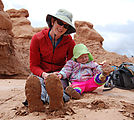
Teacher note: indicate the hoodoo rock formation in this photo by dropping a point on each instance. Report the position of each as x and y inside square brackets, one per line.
[16, 33]
[8, 62]
[23, 32]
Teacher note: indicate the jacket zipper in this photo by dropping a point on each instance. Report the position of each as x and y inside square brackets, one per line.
[53, 53]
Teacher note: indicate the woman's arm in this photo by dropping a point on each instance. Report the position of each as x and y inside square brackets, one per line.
[35, 57]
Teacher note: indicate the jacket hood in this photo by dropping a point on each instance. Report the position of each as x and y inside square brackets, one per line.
[80, 49]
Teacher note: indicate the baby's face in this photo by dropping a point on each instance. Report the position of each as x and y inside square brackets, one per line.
[84, 58]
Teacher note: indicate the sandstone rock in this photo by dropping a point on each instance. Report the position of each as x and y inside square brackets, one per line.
[9, 65]
[1, 6]
[23, 32]
[10, 62]
[85, 31]
[5, 22]
[18, 13]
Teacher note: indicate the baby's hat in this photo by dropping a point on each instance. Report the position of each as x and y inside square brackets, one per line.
[80, 49]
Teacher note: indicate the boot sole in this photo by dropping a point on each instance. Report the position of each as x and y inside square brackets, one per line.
[55, 92]
[33, 94]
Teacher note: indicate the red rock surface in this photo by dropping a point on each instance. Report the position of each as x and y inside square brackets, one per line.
[1, 6]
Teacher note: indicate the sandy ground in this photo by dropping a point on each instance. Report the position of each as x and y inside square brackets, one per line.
[115, 104]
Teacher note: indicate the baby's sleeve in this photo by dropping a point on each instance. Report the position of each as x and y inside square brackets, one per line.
[67, 70]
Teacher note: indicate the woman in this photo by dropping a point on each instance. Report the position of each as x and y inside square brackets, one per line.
[49, 51]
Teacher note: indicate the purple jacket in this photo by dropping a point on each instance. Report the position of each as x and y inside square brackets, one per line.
[77, 72]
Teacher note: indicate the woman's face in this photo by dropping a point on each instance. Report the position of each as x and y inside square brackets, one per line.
[59, 27]
[84, 58]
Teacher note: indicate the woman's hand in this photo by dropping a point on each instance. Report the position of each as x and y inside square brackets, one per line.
[44, 75]
[58, 75]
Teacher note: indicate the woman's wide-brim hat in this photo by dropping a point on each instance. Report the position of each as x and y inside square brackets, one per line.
[65, 16]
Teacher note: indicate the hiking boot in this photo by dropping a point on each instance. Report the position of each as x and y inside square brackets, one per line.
[55, 92]
[33, 94]
[72, 93]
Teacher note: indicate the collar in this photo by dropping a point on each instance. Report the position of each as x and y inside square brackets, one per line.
[58, 40]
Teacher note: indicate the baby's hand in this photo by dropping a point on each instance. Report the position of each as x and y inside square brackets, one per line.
[56, 73]
[59, 76]
[107, 69]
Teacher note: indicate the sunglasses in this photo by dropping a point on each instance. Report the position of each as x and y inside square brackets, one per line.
[66, 26]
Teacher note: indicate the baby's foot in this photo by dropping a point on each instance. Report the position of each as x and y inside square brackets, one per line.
[72, 93]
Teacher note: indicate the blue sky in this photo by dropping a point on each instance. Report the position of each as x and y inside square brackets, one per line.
[113, 19]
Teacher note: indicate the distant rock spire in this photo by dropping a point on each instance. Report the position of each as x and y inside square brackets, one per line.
[1, 6]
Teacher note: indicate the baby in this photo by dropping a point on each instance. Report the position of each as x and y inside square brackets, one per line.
[84, 74]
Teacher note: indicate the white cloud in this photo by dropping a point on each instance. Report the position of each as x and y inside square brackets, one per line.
[98, 12]
[118, 37]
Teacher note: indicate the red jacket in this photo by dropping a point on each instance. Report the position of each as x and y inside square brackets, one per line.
[42, 58]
